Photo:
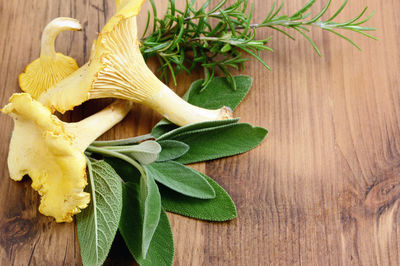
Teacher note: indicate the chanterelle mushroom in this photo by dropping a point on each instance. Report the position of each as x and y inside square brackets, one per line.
[117, 69]
[50, 67]
[51, 152]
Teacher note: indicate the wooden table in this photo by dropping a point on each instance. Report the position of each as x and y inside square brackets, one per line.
[323, 188]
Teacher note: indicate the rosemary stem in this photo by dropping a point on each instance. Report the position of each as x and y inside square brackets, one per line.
[202, 16]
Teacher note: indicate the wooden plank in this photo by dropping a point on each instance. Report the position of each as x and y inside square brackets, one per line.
[323, 189]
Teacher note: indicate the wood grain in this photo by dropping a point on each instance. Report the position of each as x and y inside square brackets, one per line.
[323, 189]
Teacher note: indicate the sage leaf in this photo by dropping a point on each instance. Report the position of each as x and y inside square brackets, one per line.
[131, 223]
[171, 149]
[125, 170]
[145, 152]
[98, 223]
[161, 249]
[219, 209]
[127, 141]
[137, 230]
[220, 142]
[182, 179]
[197, 126]
[150, 201]
[162, 127]
[200, 130]
[219, 92]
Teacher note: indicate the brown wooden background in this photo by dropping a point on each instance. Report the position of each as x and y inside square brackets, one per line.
[324, 187]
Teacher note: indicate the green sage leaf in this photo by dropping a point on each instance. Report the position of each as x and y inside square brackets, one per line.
[98, 223]
[219, 92]
[162, 127]
[220, 142]
[145, 152]
[161, 249]
[131, 223]
[125, 170]
[171, 149]
[182, 179]
[197, 126]
[118, 142]
[150, 201]
[221, 208]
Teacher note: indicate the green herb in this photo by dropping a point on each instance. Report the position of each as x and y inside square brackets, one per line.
[98, 223]
[145, 152]
[128, 141]
[128, 172]
[161, 248]
[141, 220]
[140, 216]
[214, 37]
[148, 164]
[131, 224]
[162, 127]
[196, 126]
[219, 93]
[219, 209]
[171, 149]
[218, 142]
[150, 206]
[182, 179]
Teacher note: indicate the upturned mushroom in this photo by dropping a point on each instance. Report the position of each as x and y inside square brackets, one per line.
[117, 69]
[51, 152]
[51, 67]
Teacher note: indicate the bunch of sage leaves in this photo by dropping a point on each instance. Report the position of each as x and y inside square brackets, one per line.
[136, 180]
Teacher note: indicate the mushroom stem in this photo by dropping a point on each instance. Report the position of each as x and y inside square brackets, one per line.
[51, 32]
[180, 112]
[142, 86]
[92, 127]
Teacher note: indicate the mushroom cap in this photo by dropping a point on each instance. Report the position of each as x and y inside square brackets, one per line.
[50, 67]
[45, 72]
[41, 148]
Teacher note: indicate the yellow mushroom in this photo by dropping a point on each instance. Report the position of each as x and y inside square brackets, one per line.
[117, 69]
[50, 67]
[51, 152]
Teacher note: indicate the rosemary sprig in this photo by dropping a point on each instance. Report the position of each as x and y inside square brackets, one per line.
[216, 37]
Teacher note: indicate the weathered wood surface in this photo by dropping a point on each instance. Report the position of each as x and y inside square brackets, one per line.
[323, 189]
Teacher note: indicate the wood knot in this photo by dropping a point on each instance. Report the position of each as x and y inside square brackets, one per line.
[383, 194]
[16, 230]
[349, 207]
